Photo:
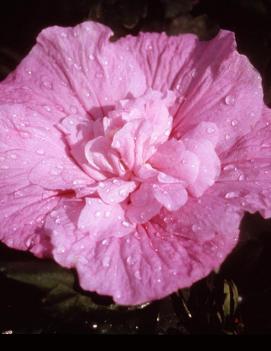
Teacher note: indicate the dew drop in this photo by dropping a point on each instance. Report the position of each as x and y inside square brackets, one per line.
[231, 195]
[130, 261]
[98, 214]
[138, 275]
[47, 85]
[13, 156]
[25, 135]
[193, 73]
[78, 182]
[229, 168]
[107, 214]
[241, 178]
[40, 152]
[78, 67]
[195, 228]
[58, 221]
[29, 242]
[73, 110]
[53, 214]
[227, 136]
[234, 123]
[106, 262]
[126, 224]
[229, 100]
[55, 172]
[18, 194]
[210, 130]
[105, 242]
[47, 108]
[122, 192]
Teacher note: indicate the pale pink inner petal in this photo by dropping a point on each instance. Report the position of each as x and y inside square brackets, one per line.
[100, 219]
[115, 190]
[144, 205]
[171, 196]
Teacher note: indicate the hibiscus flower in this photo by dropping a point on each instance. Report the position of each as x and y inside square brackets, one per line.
[132, 161]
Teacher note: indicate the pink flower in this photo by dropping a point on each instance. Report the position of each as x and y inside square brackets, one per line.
[132, 161]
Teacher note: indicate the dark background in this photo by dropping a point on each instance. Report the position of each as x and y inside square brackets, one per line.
[50, 307]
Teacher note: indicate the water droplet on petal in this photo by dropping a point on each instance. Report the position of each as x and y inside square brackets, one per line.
[105, 242]
[193, 73]
[122, 192]
[106, 262]
[195, 228]
[47, 108]
[228, 168]
[40, 152]
[210, 130]
[231, 195]
[55, 172]
[25, 135]
[130, 261]
[107, 214]
[47, 84]
[78, 182]
[18, 194]
[241, 178]
[229, 100]
[98, 214]
[13, 156]
[227, 136]
[234, 123]
[126, 224]
[138, 275]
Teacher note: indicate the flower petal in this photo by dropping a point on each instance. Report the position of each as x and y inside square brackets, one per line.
[246, 177]
[150, 263]
[103, 160]
[212, 80]
[103, 220]
[34, 171]
[114, 191]
[172, 158]
[143, 205]
[70, 71]
[171, 196]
